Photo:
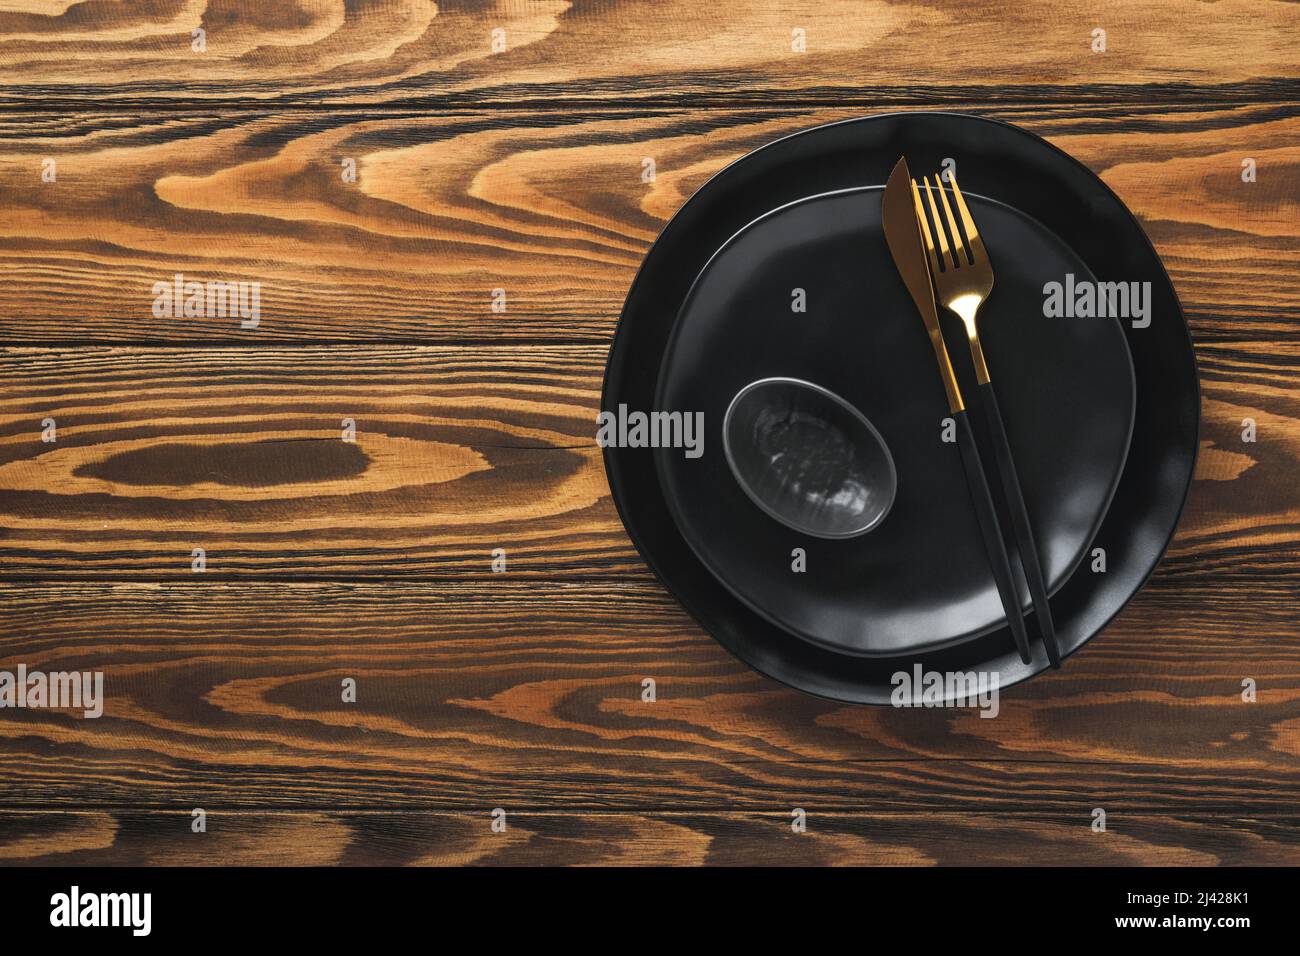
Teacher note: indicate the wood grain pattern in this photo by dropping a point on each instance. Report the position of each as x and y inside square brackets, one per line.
[548, 206]
[521, 170]
[459, 450]
[531, 838]
[377, 52]
[528, 695]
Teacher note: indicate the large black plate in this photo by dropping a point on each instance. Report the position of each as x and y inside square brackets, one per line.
[1034, 178]
[920, 580]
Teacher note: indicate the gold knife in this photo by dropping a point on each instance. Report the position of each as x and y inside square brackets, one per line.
[903, 233]
[900, 207]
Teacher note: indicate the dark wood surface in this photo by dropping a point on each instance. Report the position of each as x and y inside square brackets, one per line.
[621, 838]
[547, 204]
[371, 560]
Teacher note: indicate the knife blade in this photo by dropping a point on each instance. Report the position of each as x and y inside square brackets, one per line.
[903, 234]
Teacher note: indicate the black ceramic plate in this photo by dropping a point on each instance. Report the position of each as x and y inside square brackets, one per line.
[920, 580]
[1031, 177]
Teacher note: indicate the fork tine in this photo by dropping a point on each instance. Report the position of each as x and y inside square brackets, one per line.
[938, 224]
[968, 223]
[958, 251]
[925, 228]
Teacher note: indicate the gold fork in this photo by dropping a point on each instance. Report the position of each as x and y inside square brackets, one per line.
[963, 279]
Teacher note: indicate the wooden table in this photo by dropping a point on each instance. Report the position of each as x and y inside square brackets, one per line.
[128, 156]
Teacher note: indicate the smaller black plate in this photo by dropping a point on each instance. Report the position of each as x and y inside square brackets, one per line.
[921, 579]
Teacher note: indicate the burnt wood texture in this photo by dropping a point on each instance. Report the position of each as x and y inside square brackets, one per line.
[454, 301]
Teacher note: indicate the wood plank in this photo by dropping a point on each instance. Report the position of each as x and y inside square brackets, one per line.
[548, 206]
[240, 838]
[529, 695]
[381, 51]
[459, 451]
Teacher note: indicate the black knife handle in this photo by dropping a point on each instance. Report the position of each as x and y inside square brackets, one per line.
[992, 533]
[1020, 522]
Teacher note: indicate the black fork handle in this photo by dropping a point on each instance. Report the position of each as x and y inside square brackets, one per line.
[1020, 523]
[996, 548]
